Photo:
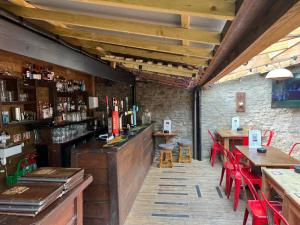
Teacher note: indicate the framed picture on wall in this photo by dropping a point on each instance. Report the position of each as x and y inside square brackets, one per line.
[286, 93]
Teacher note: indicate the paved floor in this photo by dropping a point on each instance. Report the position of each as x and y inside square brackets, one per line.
[185, 194]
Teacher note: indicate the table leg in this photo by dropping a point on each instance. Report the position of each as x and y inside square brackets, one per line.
[285, 209]
[226, 143]
[265, 185]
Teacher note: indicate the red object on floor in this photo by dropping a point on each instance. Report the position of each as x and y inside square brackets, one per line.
[233, 175]
[215, 149]
[276, 216]
[269, 138]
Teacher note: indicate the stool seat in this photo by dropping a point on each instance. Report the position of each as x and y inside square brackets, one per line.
[184, 143]
[166, 146]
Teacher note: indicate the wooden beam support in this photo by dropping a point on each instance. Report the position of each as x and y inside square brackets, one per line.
[257, 25]
[148, 29]
[134, 43]
[216, 9]
[92, 46]
[185, 23]
[149, 66]
[23, 3]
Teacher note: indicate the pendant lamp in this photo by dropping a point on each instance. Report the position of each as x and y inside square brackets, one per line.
[280, 74]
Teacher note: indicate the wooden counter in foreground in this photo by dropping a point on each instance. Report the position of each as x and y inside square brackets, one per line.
[118, 174]
[66, 210]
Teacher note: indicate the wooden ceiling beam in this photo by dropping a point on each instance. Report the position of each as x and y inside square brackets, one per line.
[23, 3]
[149, 66]
[195, 35]
[216, 9]
[185, 23]
[91, 46]
[257, 25]
[134, 43]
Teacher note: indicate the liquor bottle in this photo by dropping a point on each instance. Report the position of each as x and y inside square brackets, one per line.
[115, 118]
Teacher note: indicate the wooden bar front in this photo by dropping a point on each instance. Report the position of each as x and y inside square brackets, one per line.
[118, 174]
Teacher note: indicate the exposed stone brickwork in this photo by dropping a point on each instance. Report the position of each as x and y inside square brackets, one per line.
[219, 106]
[166, 101]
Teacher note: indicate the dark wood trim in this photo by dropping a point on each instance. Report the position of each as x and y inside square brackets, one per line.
[257, 25]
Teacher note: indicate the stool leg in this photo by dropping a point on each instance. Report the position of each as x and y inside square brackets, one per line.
[179, 154]
[161, 159]
[171, 159]
[190, 154]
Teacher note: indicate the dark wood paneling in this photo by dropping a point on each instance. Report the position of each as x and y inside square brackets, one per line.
[118, 185]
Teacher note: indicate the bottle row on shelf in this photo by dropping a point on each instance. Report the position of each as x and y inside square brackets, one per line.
[36, 72]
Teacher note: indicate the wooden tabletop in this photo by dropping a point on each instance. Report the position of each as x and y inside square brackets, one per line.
[228, 133]
[287, 180]
[274, 157]
[162, 134]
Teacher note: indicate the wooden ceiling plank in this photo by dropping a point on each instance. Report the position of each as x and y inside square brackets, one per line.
[134, 43]
[23, 3]
[195, 35]
[216, 9]
[91, 47]
[279, 18]
[154, 67]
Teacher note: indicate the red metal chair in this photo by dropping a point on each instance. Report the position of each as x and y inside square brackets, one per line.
[293, 147]
[238, 155]
[215, 149]
[273, 214]
[234, 175]
[267, 137]
[256, 206]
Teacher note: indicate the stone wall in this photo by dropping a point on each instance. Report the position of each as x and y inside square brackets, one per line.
[112, 90]
[161, 100]
[218, 106]
[168, 102]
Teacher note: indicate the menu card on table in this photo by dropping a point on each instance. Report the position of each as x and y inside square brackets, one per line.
[254, 138]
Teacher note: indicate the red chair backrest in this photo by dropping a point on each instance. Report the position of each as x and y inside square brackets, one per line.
[292, 148]
[230, 157]
[274, 217]
[212, 136]
[247, 182]
[269, 138]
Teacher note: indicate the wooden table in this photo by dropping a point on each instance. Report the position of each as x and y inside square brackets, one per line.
[287, 184]
[227, 135]
[274, 157]
[64, 211]
[165, 136]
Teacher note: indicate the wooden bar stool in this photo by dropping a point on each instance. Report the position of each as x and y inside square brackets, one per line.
[185, 152]
[166, 158]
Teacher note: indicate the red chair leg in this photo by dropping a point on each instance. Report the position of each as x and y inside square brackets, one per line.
[227, 180]
[238, 183]
[222, 175]
[246, 214]
[229, 188]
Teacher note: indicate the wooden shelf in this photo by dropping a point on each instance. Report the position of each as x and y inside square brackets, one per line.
[29, 122]
[68, 94]
[3, 76]
[18, 103]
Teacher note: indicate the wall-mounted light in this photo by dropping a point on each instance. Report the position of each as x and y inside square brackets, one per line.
[280, 74]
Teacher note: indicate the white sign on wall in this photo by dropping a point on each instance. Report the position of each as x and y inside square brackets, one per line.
[235, 123]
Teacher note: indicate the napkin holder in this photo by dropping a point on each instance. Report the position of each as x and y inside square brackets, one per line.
[297, 169]
[261, 150]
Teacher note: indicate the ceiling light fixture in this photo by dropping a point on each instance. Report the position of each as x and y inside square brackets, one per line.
[280, 74]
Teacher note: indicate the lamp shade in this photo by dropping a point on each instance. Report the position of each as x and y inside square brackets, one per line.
[280, 74]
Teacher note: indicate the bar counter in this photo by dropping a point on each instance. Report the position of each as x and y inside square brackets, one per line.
[118, 173]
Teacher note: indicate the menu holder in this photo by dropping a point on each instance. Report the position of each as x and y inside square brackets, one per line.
[254, 139]
[29, 199]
